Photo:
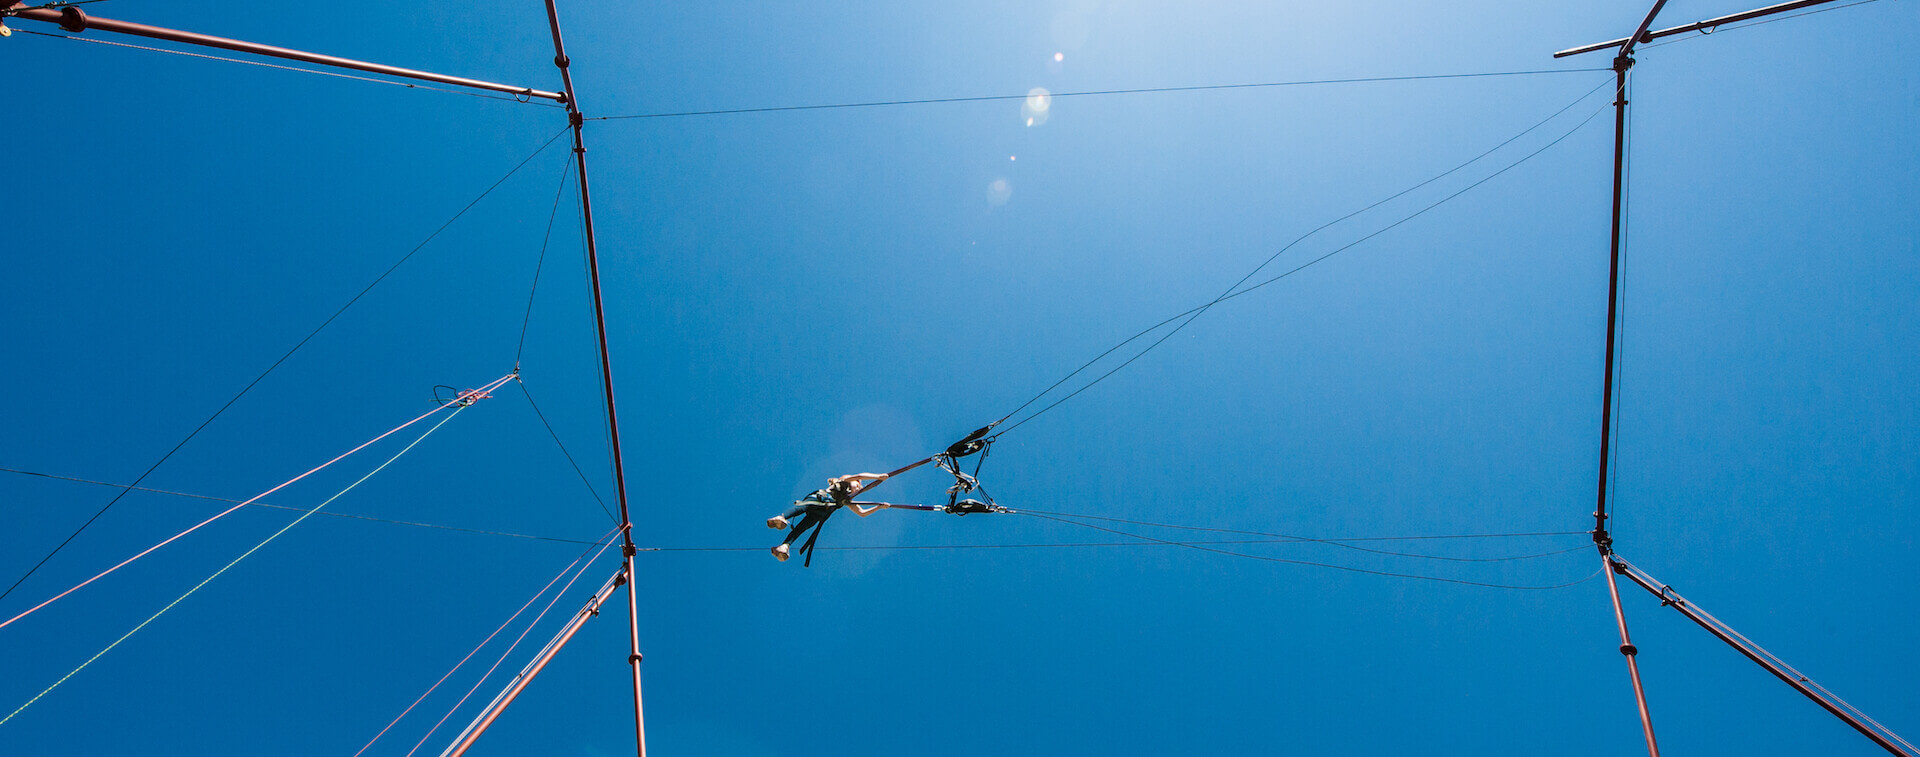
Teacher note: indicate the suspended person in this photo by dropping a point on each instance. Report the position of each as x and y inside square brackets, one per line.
[814, 509]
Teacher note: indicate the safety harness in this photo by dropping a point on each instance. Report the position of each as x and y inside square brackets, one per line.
[949, 460]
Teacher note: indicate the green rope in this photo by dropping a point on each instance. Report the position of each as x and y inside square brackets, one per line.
[236, 561]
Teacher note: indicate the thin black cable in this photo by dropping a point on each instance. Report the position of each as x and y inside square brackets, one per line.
[1717, 30]
[1290, 245]
[563, 450]
[1309, 563]
[1050, 545]
[10, 12]
[527, 319]
[1273, 538]
[1389, 227]
[1087, 93]
[264, 64]
[1342, 543]
[325, 513]
[276, 364]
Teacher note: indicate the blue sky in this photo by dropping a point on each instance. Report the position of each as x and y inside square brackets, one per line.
[803, 294]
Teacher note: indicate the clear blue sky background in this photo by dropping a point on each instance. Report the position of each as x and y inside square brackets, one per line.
[798, 295]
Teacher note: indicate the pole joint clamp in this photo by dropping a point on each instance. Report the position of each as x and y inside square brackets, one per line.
[73, 19]
[1629, 650]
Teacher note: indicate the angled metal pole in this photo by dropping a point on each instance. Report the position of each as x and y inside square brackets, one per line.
[1631, 652]
[1601, 539]
[480, 723]
[1827, 700]
[1731, 18]
[606, 374]
[74, 20]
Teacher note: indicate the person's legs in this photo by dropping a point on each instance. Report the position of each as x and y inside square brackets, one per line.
[780, 521]
[808, 522]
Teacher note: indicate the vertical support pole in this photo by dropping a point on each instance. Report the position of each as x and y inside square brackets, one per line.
[1620, 66]
[1601, 539]
[627, 549]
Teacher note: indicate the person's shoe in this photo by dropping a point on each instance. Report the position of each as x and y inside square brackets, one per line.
[777, 522]
[780, 553]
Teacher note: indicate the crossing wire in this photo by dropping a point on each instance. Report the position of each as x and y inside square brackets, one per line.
[271, 506]
[1087, 93]
[1342, 543]
[563, 451]
[469, 395]
[1268, 537]
[1310, 563]
[229, 566]
[527, 319]
[1231, 292]
[282, 359]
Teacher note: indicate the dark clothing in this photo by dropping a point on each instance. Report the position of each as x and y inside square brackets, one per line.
[813, 511]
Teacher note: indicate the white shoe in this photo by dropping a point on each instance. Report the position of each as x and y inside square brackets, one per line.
[777, 522]
[780, 553]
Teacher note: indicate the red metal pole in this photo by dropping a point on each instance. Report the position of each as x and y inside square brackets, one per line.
[72, 19]
[1601, 538]
[539, 663]
[1879, 734]
[1647, 36]
[627, 549]
[1631, 652]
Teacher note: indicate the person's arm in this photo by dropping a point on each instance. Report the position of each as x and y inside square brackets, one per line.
[872, 507]
[860, 481]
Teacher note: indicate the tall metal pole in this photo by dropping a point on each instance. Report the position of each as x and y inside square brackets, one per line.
[1601, 539]
[1867, 726]
[1632, 653]
[1623, 61]
[606, 374]
[73, 19]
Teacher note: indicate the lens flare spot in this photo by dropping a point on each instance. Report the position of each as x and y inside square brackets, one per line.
[998, 192]
[1057, 57]
[1036, 106]
[1039, 99]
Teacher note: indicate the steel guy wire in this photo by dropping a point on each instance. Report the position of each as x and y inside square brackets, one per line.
[1195, 312]
[282, 359]
[1086, 93]
[229, 566]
